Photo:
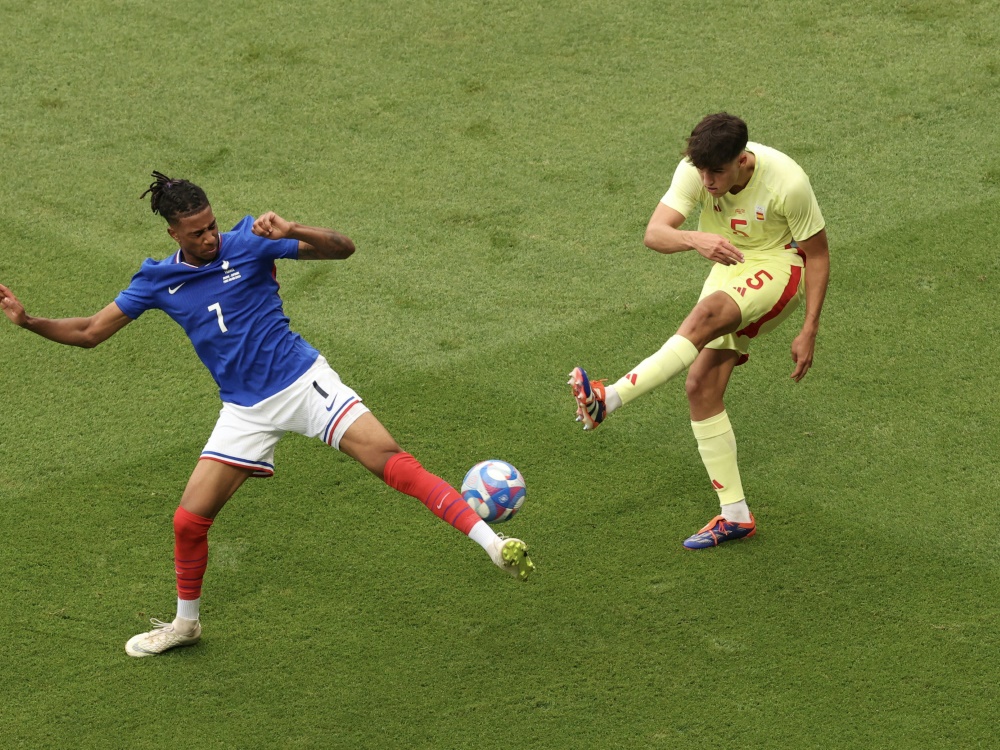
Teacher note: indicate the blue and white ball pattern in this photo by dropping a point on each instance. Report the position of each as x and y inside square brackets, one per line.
[494, 489]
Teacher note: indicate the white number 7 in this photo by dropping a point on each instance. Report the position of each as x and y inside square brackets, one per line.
[218, 311]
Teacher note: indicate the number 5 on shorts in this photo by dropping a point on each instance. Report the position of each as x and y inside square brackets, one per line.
[754, 282]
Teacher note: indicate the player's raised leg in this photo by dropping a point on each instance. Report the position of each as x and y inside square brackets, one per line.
[594, 400]
[715, 315]
[211, 485]
[368, 442]
[705, 385]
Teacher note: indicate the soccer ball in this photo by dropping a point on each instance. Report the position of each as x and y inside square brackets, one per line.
[494, 489]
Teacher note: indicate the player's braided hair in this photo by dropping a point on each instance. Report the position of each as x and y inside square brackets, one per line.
[172, 199]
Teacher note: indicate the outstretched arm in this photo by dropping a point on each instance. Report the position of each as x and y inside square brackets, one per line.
[817, 254]
[85, 332]
[663, 234]
[315, 243]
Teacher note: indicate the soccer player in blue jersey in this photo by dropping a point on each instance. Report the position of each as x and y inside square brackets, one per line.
[221, 289]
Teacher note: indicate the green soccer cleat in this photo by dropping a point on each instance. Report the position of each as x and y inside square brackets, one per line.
[512, 555]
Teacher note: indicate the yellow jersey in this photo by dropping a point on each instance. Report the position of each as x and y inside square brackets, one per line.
[764, 219]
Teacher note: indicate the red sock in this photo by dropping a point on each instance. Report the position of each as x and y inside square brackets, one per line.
[404, 473]
[190, 552]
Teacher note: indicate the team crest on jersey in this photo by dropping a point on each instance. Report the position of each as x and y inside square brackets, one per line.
[740, 211]
[229, 273]
[760, 213]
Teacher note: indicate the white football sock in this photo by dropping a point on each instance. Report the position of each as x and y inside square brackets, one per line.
[736, 512]
[483, 535]
[611, 399]
[188, 608]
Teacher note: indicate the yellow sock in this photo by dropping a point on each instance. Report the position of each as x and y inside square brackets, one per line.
[717, 446]
[673, 358]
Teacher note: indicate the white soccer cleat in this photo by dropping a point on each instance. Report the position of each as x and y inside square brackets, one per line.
[512, 555]
[164, 636]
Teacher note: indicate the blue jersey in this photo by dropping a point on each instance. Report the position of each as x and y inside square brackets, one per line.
[231, 311]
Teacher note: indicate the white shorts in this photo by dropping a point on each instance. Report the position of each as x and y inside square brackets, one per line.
[317, 405]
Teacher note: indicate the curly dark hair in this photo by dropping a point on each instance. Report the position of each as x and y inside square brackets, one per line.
[716, 141]
[173, 199]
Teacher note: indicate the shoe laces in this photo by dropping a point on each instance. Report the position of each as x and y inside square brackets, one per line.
[162, 629]
[722, 527]
[595, 397]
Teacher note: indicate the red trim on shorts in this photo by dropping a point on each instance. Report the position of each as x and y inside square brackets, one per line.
[343, 414]
[262, 473]
[798, 251]
[791, 289]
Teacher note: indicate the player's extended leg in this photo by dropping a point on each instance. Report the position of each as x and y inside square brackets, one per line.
[706, 386]
[369, 442]
[715, 315]
[211, 485]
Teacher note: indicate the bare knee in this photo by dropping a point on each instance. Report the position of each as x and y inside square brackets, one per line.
[369, 443]
[374, 457]
[210, 487]
[382, 458]
[705, 397]
[698, 390]
[714, 316]
[692, 384]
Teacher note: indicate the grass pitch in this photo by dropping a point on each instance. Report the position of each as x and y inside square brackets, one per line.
[496, 164]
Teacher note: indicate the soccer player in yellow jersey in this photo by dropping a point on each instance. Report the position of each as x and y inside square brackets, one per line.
[761, 228]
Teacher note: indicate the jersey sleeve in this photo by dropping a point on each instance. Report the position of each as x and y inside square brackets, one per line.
[138, 296]
[685, 189]
[802, 209]
[262, 247]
